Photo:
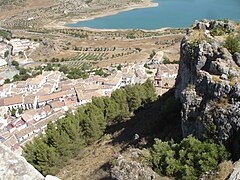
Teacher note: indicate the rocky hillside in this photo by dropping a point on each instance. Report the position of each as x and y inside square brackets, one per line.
[208, 83]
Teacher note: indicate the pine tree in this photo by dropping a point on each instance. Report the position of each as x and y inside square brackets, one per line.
[111, 111]
[133, 97]
[94, 123]
[120, 97]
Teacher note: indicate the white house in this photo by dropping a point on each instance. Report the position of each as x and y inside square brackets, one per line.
[3, 62]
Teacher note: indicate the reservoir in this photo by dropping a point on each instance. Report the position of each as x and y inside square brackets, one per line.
[169, 13]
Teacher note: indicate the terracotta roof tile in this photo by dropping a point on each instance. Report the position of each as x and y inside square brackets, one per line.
[10, 141]
[57, 104]
[55, 95]
[44, 122]
[29, 99]
[25, 131]
[11, 100]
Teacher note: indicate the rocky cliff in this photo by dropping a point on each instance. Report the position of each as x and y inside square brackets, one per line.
[208, 83]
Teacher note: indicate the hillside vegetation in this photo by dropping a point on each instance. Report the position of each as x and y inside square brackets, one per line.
[188, 159]
[65, 139]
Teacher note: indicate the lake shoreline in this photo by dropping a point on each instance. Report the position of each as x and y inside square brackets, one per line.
[63, 24]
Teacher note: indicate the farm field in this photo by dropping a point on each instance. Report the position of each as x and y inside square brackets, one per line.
[103, 48]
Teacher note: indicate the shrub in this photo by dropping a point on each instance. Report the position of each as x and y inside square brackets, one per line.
[188, 159]
[232, 44]
[152, 54]
[15, 63]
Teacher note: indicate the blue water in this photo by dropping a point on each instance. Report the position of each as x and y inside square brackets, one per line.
[169, 13]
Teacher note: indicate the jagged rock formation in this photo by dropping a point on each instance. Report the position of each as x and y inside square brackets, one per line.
[13, 166]
[208, 85]
[127, 166]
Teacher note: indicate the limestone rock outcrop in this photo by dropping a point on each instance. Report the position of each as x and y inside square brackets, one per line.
[13, 166]
[208, 85]
[127, 166]
[236, 171]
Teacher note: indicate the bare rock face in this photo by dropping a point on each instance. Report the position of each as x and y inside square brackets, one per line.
[236, 171]
[128, 167]
[13, 166]
[236, 58]
[208, 86]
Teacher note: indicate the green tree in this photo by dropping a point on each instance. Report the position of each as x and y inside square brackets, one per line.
[133, 97]
[13, 112]
[100, 103]
[93, 124]
[49, 67]
[111, 111]
[149, 92]
[119, 67]
[64, 69]
[120, 97]
[60, 140]
[6, 54]
[71, 126]
[7, 81]
[41, 156]
[100, 72]
[20, 110]
[22, 71]
[16, 64]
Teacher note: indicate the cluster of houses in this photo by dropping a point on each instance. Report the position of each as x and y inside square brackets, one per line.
[12, 47]
[21, 45]
[26, 107]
